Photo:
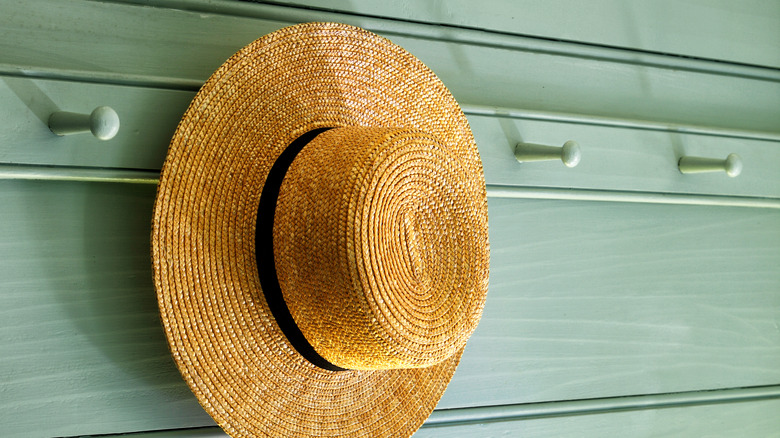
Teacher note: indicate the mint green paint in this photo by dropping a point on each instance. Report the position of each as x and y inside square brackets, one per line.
[747, 31]
[575, 310]
[179, 49]
[588, 299]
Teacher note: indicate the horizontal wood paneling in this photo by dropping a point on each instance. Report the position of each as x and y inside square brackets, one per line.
[87, 174]
[81, 347]
[751, 419]
[623, 159]
[175, 48]
[754, 419]
[607, 299]
[614, 158]
[586, 300]
[147, 117]
[744, 32]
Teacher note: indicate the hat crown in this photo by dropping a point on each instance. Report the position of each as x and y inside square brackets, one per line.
[381, 248]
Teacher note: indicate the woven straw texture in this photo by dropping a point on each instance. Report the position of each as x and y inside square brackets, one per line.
[398, 276]
[223, 339]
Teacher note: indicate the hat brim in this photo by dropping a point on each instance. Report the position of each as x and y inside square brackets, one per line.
[222, 336]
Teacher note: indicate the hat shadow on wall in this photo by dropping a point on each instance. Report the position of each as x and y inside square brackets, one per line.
[108, 292]
[120, 314]
[88, 243]
[98, 321]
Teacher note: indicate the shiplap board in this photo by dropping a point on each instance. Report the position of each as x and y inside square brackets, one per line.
[177, 48]
[81, 346]
[623, 159]
[591, 299]
[743, 32]
[753, 419]
[748, 419]
[614, 158]
[147, 117]
[586, 300]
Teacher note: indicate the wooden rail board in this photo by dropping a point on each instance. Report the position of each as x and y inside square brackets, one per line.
[173, 48]
[745, 32]
[588, 300]
[570, 313]
[631, 159]
[753, 419]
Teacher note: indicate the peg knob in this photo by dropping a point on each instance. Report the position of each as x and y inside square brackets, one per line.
[569, 153]
[103, 123]
[732, 165]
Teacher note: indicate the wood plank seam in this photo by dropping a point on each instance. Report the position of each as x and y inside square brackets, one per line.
[555, 409]
[482, 414]
[129, 176]
[467, 35]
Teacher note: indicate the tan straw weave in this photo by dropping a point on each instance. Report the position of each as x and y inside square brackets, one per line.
[379, 237]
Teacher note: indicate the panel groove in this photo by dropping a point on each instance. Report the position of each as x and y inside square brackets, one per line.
[467, 35]
[497, 191]
[563, 21]
[131, 176]
[178, 49]
[531, 411]
[581, 119]
[102, 77]
[193, 85]
[483, 414]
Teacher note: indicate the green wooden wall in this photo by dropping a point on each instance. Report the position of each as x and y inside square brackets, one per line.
[626, 299]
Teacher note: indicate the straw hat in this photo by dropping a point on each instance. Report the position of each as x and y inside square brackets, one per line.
[319, 238]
